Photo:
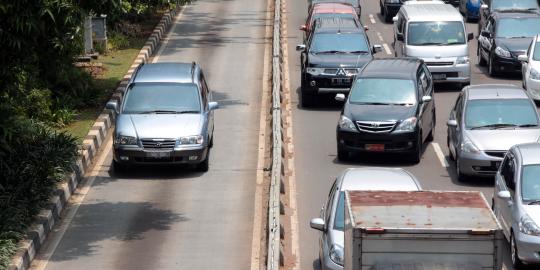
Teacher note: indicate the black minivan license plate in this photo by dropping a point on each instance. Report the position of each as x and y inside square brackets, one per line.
[341, 81]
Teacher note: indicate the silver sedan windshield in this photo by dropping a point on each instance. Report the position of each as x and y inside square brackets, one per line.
[500, 113]
[162, 98]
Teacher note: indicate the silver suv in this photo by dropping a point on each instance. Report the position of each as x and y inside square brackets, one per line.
[165, 117]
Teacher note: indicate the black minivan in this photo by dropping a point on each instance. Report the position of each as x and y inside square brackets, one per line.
[390, 108]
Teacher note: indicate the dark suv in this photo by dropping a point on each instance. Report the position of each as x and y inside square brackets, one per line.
[489, 6]
[506, 35]
[390, 109]
[335, 52]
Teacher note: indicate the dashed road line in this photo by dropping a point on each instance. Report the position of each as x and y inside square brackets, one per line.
[380, 36]
[387, 49]
[372, 19]
[440, 155]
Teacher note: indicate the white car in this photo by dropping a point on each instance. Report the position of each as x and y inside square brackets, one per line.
[331, 221]
[531, 69]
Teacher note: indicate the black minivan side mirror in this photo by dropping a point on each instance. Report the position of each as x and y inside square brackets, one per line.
[399, 36]
[470, 36]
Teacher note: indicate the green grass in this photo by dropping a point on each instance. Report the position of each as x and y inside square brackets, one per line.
[116, 64]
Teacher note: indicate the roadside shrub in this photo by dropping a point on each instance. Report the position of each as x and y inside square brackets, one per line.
[117, 41]
[33, 159]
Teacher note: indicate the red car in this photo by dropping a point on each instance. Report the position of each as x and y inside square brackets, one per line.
[320, 10]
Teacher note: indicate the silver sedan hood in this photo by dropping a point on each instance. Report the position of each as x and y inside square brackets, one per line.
[502, 139]
[159, 125]
[534, 212]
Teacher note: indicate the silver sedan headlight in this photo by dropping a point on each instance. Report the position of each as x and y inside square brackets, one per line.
[535, 74]
[125, 140]
[190, 140]
[528, 226]
[336, 254]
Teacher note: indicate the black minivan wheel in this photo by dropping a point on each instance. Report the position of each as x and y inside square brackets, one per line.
[416, 155]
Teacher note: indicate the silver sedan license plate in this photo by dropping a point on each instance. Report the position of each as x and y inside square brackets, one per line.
[439, 76]
[158, 154]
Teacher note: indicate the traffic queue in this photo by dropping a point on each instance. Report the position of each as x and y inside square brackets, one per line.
[389, 107]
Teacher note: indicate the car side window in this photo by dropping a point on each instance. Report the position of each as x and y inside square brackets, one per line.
[400, 24]
[429, 80]
[458, 108]
[423, 82]
[204, 91]
[508, 170]
[329, 201]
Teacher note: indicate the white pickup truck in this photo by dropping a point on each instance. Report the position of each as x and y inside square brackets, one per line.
[421, 230]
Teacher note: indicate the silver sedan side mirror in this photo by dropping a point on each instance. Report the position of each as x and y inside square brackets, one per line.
[426, 99]
[523, 58]
[317, 224]
[340, 97]
[505, 195]
[451, 123]
[301, 47]
[484, 6]
[213, 105]
[112, 105]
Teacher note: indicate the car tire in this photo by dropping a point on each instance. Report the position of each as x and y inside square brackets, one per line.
[342, 154]
[416, 155]
[450, 155]
[119, 167]
[491, 68]
[387, 17]
[205, 164]
[307, 100]
[431, 135]
[461, 177]
[516, 262]
[481, 61]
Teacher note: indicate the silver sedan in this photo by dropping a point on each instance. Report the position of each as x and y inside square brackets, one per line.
[485, 122]
[331, 221]
[165, 117]
[516, 202]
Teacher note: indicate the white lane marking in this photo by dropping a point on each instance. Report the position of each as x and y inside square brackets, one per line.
[380, 36]
[165, 41]
[43, 257]
[440, 155]
[372, 19]
[387, 49]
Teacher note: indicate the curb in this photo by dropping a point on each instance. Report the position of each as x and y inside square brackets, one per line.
[48, 217]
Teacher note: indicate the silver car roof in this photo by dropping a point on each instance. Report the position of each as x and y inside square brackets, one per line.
[495, 91]
[529, 153]
[431, 12]
[165, 72]
[377, 178]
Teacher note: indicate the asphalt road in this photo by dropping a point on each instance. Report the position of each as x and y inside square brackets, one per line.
[314, 133]
[173, 218]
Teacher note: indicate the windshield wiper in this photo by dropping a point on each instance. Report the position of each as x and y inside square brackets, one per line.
[427, 43]
[362, 52]
[374, 103]
[334, 51]
[528, 125]
[168, 112]
[495, 126]
[534, 202]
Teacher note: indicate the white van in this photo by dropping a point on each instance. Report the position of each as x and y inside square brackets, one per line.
[434, 32]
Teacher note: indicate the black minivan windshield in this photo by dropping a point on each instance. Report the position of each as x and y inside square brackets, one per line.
[339, 43]
[383, 91]
[518, 27]
[436, 33]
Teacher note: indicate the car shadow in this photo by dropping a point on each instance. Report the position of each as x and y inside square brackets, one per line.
[322, 102]
[379, 159]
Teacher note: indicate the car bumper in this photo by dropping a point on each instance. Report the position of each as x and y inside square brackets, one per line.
[328, 264]
[361, 141]
[327, 84]
[509, 65]
[392, 9]
[528, 248]
[533, 87]
[478, 164]
[456, 73]
[136, 155]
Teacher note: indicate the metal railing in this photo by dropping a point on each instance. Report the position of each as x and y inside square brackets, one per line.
[273, 257]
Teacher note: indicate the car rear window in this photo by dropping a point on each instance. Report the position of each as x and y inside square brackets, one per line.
[152, 97]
